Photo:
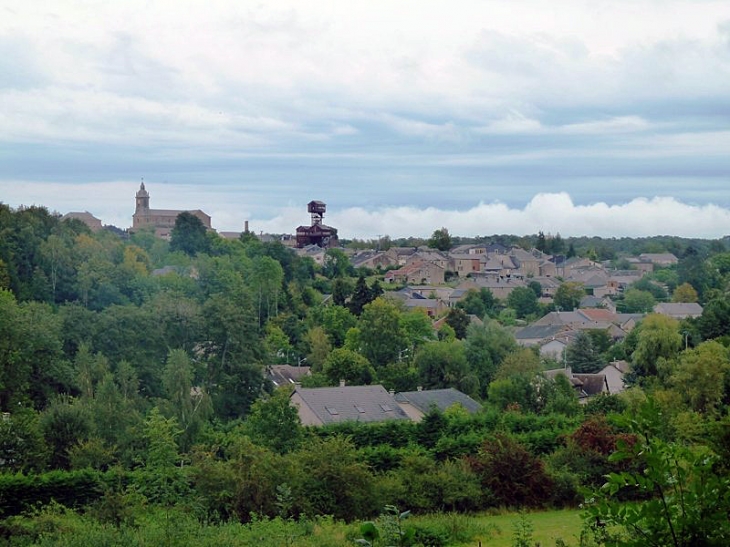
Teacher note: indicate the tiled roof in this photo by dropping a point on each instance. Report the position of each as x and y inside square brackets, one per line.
[439, 398]
[352, 403]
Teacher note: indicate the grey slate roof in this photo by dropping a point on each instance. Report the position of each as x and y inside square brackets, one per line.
[440, 398]
[281, 375]
[352, 403]
[538, 332]
[679, 309]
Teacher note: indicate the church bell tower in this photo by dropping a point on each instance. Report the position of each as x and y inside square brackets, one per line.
[142, 199]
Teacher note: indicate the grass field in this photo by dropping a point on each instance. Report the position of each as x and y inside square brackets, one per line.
[547, 527]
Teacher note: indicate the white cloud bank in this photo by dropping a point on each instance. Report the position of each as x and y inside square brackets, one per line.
[551, 213]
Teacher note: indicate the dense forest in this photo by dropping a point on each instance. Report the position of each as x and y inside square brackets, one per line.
[135, 408]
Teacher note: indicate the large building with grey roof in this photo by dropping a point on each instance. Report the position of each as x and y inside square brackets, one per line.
[327, 405]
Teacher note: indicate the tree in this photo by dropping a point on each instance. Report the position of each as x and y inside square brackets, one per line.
[380, 334]
[581, 355]
[360, 296]
[485, 347]
[510, 473]
[568, 295]
[480, 303]
[336, 321]
[701, 376]
[658, 339]
[683, 492]
[715, 319]
[345, 364]
[523, 301]
[189, 235]
[336, 264]
[458, 320]
[684, 293]
[541, 244]
[341, 291]
[443, 364]
[636, 301]
[274, 423]
[441, 240]
[535, 287]
[319, 348]
[190, 406]
[266, 282]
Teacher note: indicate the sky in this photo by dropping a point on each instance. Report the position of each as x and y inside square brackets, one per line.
[608, 118]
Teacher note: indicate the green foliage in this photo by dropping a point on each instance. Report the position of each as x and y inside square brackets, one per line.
[478, 302]
[443, 364]
[348, 365]
[389, 529]
[658, 338]
[701, 376]
[440, 239]
[458, 320]
[188, 235]
[19, 492]
[64, 423]
[509, 474]
[22, 447]
[582, 356]
[636, 301]
[380, 334]
[274, 423]
[333, 481]
[568, 295]
[523, 532]
[524, 301]
[686, 501]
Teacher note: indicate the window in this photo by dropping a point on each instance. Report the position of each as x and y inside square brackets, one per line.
[332, 410]
[360, 409]
[386, 408]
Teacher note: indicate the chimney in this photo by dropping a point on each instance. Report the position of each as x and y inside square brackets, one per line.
[245, 226]
[342, 383]
[391, 392]
[420, 388]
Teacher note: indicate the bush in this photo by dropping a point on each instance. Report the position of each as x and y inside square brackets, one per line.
[511, 474]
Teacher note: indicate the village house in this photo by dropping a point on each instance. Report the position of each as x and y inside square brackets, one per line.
[327, 405]
[416, 404]
[679, 310]
[87, 218]
[659, 259]
[417, 273]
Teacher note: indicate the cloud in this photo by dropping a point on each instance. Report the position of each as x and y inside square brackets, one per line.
[550, 213]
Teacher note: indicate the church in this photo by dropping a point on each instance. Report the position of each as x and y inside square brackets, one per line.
[162, 220]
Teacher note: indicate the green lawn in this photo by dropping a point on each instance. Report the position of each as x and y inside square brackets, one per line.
[547, 527]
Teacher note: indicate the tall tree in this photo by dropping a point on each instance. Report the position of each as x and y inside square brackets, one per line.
[189, 405]
[582, 356]
[381, 336]
[442, 365]
[568, 295]
[441, 240]
[274, 423]
[189, 235]
[458, 320]
[658, 339]
[523, 301]
[360, 296]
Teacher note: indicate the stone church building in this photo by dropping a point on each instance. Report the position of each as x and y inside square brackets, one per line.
[162, 220]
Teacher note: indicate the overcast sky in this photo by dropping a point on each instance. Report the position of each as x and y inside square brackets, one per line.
[592, 117]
